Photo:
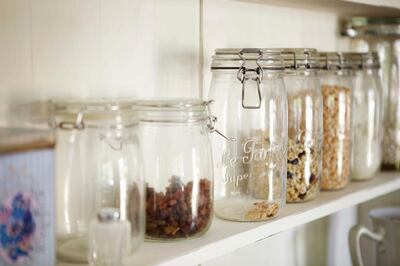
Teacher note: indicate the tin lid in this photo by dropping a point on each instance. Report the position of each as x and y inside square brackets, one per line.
[233, 58]
[299, 58]
[339, 60]
[22, 139]
[172, 110]
[78, 114]
[370, 27]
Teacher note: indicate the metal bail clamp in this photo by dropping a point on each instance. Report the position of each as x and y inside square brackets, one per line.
[243, 78]
[78, 124]
[212, 123]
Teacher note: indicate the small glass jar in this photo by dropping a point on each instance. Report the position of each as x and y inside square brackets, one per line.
[336, 88]
[367, 117]
[99, 185]
[177, 166]
[304, 160]
[251, 106]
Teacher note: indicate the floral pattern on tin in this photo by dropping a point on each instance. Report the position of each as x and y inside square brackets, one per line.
[17, 228]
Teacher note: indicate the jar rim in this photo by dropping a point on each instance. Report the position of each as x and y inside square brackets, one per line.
[350, 60]
[298, 58]
[179, 103]
[173, 110]
[90, 105]
[267, 58]
[78, 114]
[233, 58]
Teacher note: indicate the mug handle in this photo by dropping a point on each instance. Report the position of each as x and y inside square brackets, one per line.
[355, 235]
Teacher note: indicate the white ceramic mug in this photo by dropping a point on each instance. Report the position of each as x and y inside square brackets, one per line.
[386, 231]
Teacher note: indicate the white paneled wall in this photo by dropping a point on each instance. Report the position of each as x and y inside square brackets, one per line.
[98, 48]
[15, 53]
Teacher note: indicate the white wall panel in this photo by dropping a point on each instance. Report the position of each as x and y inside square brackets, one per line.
[15, 53]
[98, 48]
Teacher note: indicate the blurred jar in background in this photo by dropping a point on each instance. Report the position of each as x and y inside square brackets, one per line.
[367, 117]
[383, 35]
[99, 185]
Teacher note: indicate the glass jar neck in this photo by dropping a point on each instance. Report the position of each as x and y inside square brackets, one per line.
[336, 72]
[367, 71]
[82, 120]
[173, 111]
[301, 72]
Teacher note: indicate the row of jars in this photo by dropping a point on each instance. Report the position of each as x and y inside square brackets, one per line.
[130, 166]
[301, 121]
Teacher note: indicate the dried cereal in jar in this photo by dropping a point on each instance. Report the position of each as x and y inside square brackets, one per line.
[336, 151]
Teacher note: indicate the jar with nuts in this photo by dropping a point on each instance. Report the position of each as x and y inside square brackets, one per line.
[336, 87]
[304, 159]
[178, 169]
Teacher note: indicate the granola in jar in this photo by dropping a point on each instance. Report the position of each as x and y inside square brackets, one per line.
[336, 154]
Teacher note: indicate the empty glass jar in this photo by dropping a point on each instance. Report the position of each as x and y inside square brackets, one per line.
[367, 117]
[178, 168]
[336, 88]
[99, 185]
[251, 105]
[305, 124]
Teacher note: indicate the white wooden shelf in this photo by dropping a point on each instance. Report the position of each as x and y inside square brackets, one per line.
[224, 236]
[341, 7]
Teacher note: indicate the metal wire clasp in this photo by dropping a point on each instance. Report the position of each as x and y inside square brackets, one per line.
[212, 123]
[243, 78]
[78, 124]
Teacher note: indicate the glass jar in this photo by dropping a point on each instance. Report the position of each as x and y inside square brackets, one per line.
[304, 160]
[177, 166]
[336, 88]
[251, 105]
[367, 118]
[99, 184]
[383, 35]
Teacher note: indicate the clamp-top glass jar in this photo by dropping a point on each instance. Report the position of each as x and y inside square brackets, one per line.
[383, 35]
[99, 186]
[336, 87]
[178, 168]
[304, 160]
[367, 117]
[251, 106]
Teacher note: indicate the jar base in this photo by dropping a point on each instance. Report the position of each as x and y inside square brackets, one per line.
[240, 209]
[177, 239]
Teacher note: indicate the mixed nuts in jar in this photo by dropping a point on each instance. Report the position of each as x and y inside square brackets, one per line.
[304, 124]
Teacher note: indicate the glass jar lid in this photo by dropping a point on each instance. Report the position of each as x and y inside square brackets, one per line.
[172, 110]
[234, 58]
[370, 27]
[79, 114]
[298, 58]
[339, 60]
[369, 60]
